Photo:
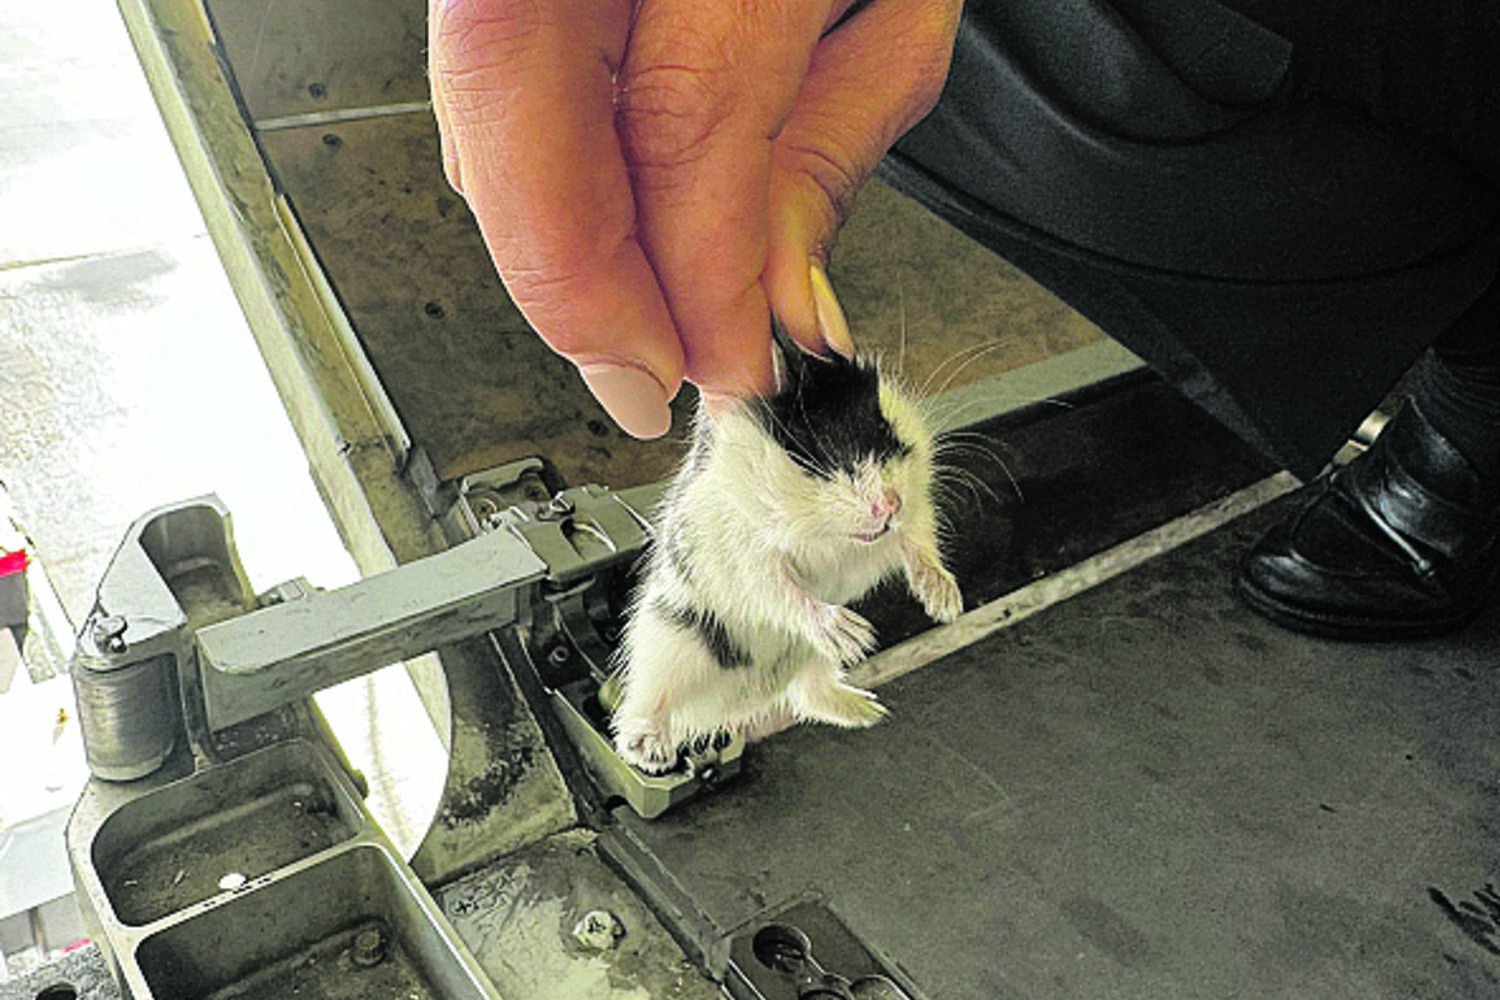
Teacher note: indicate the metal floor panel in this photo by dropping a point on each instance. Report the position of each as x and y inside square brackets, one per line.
[1143, 792]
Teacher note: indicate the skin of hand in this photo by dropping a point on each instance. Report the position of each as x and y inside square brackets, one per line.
[655, 178]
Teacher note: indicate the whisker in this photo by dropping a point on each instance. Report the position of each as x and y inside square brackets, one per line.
[975, 444]
[901, 314]
[977, 486]
[987, 349]
[961, 357]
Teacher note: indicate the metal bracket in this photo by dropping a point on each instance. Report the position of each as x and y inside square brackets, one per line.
[591, 539]
[551, 569]
[134, 650]
[259, 661]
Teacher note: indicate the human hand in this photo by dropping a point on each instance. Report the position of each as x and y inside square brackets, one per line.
[655, 178]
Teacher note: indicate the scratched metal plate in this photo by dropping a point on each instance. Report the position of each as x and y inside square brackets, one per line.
[304, 58]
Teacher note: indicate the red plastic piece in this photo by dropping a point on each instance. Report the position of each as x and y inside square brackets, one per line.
[13, 562]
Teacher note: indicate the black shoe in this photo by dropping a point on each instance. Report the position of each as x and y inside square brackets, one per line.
[1402, 542]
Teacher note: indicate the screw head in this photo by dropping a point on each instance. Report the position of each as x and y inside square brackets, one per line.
[369, 948]
[109, 633]
[599, 930]
[556, 509]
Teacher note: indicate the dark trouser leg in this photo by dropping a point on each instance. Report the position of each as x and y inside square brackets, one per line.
[1460, 388]
[1280, 229]
[1279, 251]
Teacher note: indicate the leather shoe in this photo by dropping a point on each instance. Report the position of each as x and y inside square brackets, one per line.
[1399, 543]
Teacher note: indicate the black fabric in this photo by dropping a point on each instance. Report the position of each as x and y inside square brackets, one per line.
[1463, 402]
[1278, 205]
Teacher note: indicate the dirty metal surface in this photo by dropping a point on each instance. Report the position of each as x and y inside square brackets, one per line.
[519, 918]
[1143, 792]
[299, 59]
[476, 388]
[503, 788]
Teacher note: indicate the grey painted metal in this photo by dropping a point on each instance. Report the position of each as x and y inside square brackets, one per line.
[266, 658]
[133, 646]
[578, 532]
[304, 861]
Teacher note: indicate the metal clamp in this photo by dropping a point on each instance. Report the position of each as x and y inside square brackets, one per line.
[133, 651]
[591, 539]
[178, 647]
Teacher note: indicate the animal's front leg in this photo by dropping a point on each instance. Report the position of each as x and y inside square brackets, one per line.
[838, 634]
[929, 580]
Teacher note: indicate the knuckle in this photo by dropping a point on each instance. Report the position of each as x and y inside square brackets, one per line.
[835, 176]
[669, 113]
[469, 40]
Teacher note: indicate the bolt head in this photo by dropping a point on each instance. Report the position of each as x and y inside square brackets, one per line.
[109, 633]
[369, 947]
[599, 930]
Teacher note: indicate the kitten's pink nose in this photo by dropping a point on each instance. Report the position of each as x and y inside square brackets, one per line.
[887, 506]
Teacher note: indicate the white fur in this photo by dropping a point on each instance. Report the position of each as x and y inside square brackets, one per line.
[773, 554]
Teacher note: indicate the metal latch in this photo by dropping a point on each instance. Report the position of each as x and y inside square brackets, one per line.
[548, 575]
[592, 540]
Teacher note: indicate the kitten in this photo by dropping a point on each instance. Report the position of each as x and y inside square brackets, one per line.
[786, 509]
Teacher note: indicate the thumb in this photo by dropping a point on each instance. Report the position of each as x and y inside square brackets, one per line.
[871, 79]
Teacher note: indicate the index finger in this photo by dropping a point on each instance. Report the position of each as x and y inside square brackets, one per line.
[526, 98]
[704, 90]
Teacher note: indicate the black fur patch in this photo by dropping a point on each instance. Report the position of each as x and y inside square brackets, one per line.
[828, 417]
[726, 652]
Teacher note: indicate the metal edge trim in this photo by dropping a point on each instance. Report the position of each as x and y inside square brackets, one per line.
[1018, 605]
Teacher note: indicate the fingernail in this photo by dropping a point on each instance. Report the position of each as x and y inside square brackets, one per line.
[831, 321]
[452, 168]
[633, 397]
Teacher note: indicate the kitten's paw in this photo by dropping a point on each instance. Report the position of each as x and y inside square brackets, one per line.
[847, 706]
[845, 636]
[938, 591]
[930, 582]
[646, 749]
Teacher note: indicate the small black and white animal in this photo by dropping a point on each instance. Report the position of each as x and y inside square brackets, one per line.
[786, 509]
